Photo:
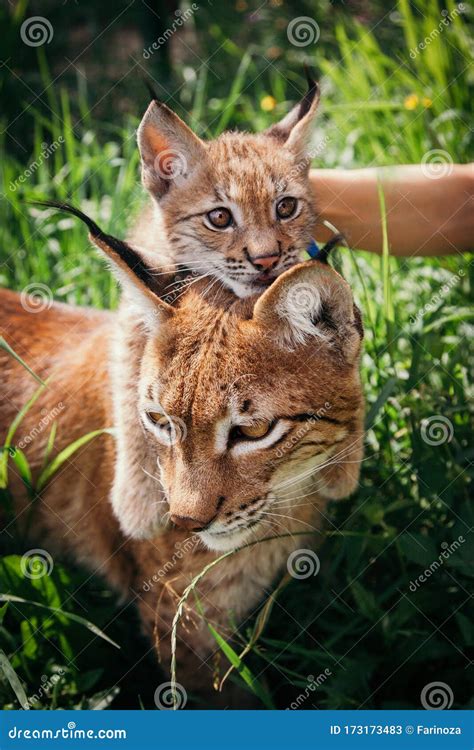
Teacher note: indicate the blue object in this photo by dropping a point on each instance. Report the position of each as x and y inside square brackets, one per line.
[313, 250]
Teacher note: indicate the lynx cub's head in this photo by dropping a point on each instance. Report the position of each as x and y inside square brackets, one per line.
[238, 207]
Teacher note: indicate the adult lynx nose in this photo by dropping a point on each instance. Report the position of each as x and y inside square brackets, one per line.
[188, 523]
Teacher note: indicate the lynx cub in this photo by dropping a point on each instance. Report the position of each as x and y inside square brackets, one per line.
[238, 208]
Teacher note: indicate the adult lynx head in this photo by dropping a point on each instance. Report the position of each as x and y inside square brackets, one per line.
[229, 411]
[238, 207]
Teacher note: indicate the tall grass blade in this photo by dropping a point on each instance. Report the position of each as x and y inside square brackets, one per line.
[66, 454]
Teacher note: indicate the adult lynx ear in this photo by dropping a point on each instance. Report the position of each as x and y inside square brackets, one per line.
[311, 305]
[295, 127]
[132, 271]
[169, 149]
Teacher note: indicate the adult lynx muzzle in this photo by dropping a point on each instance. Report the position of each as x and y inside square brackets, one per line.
[238, 208]
[235, 420]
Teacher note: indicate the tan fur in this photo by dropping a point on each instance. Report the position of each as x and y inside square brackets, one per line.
[247, 174]
[206, 360]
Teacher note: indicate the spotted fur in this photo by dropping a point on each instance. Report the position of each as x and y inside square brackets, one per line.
[247, 175]
[210, 362]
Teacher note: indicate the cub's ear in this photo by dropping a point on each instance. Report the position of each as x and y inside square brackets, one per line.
[131, 269]
[311, 305]
[293, 131]
[168, 148]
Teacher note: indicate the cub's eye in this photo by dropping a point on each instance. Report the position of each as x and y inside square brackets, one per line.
[286, 207]
[221, 218]
[252, 431]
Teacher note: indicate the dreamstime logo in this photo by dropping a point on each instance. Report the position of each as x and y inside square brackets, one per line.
[36, 563]
[302, 165]
[46, 150]
[436, 164]
[36, 297]
[170, 164]
[301, 307]
[436, 696]
[302, 299]
[302, 31]
[447, 551]
[447, 17]
[36, 31]
[182, 549]
[46, 419]
[47, 683]
[436, 430]
[170, 696]
[181, 17]
[437, 298]
[313, 684]
[303, 563]
[179, 286]
[296, 436]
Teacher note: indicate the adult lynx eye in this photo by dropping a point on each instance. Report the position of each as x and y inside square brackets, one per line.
[255, 430]
[161, 420]
[221, 218]
[286, 207]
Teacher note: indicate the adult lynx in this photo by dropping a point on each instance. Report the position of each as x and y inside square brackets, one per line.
[227, 412]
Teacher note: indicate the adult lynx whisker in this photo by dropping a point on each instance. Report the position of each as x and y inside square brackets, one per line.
[311, 474]
[291, 518]
[316, 469]
[315, 486]
[312, 488]
[293, 506]
[271, 523]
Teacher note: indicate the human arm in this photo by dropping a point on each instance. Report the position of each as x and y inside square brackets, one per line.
[425, 215]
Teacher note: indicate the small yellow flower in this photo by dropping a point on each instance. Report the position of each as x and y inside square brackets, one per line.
[426, 101]
[411, 101]
[241, 5]
[267, 103]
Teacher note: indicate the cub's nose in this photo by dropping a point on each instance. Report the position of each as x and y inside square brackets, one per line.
[264, 262]
[188, 523]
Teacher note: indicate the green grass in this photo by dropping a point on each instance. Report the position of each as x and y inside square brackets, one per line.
[380, 641]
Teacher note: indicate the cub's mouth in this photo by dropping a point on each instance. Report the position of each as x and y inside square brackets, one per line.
[264, 279]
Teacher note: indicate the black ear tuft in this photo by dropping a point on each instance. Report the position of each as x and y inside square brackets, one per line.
[121, 249]
[153, 95]
[312, 92]
[282, 130]
[94, 229]
[338, 239]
